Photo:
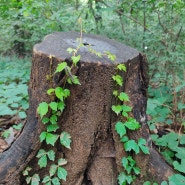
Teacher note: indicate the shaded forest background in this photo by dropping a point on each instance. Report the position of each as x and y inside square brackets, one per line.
[153, 27]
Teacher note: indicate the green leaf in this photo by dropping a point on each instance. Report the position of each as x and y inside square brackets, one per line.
[123, 179]
[62, 162]
[51, 155]
[28, 180]
[40, 153]
[136, 170]
[124, 139]
[118, 79]
[117, 109]
[55, 181]
[53, 119]
[22, 115]
[115, 93]
[61, 106]
[46, 179]
[45, 120]
[51, 138]
[124, 162]
[65, 139]
[75, 80]
[42, 162]
[52, 127]
[176, 179]
[142, 145]
[42, 136]
[121, 67]
[42, 109]
[53, 106]
[50, 91]
[61, 67]
[35, 179]
[70, 50]
[59, 92]
[131, 145]
[132, 125]
[179, 166]
[126, 108]
[61, 173]
[18, 127]
[164, 183]
[120, 129]
[123, 97]
[147, 183]
[75, 59]
[53, 170]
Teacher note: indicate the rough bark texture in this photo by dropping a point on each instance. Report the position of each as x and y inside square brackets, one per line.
[95, 157]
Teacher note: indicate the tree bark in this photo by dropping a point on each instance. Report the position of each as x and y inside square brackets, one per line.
[95, 155]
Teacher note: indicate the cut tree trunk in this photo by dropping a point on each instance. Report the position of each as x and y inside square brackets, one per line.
[96, 152]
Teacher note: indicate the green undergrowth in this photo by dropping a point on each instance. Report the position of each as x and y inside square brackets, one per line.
[14, 78]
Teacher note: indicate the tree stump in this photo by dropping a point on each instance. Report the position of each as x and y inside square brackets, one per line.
[95, 155]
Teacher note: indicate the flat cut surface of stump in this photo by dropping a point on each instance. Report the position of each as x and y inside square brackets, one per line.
[57, 43]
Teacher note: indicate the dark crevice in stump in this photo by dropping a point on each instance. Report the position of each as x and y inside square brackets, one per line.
[96, 152]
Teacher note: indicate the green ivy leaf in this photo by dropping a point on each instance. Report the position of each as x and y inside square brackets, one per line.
[59, 93]
[136, 170]
[124, 139]
[132, 125]
[123, 179]
[131, 145]
[46, 179]
[52, 128]
[42, 109]
[28, 180]
[35, 179]
[42, 162]
[123, 97]
[142, 145]
[118, 79]
[42, 136]
[120, 129]
[115, 93]
[53, 119]
[55, 181]
[75, 59]
[40, 153]
[61, 67]
[75, 80]
[50, 91]
[124, 162]
[65, 139]
[53, 106]
[121, 67]
[110, 56]
[61, 173]
[126, 108]
[147, 183]
[45, 120]
[117, 109]
[61, 106]
[70, 50]
[51, 138]
[62, 162]
[51, 155]
[53, 170]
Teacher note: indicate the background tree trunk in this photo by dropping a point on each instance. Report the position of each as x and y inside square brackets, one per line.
[95, 155]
